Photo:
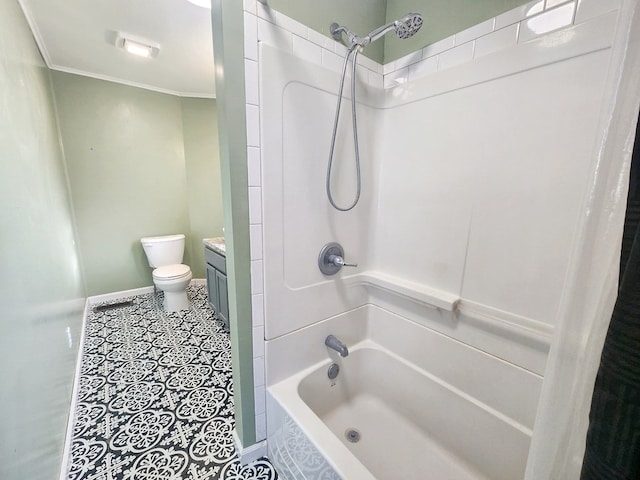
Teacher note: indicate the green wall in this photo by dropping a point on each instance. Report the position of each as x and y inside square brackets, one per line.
[204, 189]
[41, 294]
[227, 18]
[442, 18]
[361, 17]
[135, 170]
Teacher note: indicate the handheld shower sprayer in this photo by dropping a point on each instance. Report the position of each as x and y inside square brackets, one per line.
[405, 28]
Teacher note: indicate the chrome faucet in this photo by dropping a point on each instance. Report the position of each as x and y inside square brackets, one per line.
[335, 344]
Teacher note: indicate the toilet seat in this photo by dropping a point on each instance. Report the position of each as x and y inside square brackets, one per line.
[172, 272]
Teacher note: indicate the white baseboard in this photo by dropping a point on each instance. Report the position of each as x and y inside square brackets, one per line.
[251, 453]
[64, 467]
[108, 297]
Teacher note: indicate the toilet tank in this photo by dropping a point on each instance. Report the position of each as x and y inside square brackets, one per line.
[163, 250]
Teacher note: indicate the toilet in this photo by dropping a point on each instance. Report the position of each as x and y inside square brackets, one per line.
[164, 254]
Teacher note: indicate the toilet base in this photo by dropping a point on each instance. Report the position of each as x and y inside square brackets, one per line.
[176, 301]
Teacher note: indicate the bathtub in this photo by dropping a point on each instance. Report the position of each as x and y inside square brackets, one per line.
[400, 413]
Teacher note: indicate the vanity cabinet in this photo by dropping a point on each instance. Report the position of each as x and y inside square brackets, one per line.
[217, 284]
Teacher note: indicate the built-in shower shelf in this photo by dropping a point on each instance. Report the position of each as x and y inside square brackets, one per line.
[415, 291]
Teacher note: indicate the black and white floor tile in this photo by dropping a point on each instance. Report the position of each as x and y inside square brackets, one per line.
[155, 397]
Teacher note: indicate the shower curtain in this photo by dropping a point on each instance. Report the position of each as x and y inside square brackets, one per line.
[613, 439]
[558, 444]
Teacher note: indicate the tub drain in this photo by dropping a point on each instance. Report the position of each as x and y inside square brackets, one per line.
[352, 435]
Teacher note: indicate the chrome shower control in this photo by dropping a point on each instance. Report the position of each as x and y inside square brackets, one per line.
[331, 259]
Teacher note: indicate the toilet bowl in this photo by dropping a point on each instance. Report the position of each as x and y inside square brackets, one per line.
[164, 254]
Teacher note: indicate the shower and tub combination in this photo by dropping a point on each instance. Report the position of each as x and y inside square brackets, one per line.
[364, 398]
[426, 357]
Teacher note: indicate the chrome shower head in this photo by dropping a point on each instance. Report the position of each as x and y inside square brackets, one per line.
[405, 27]
[408, 25]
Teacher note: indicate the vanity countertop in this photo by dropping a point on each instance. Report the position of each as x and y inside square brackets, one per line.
[216, 244]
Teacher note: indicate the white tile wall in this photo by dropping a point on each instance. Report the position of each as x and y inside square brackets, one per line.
[320, 39]
[258, 372]
[249, 6]
[255, 205]
[332, 60]
[252, 83]
[262, 24]
[555, 3]
[250, 36]
[274, 35]
[546, 22]
[260, 400]
[408, 60]
[430, 65]
[588, 9]
[254, 168]
[518, 25]
[474, 32]
[307, 50]
[263, 11]
[397, 77]
[498, 40]
[257, 276]
[254, 25]
[438, 47]
[455, 56]
[258, 341]
[376, 79]
[253, 125]
[257, 309]
[261, 426]
[255, 237]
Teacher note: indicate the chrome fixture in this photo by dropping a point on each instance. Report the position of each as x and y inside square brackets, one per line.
[405, 27]
[331, 259]
[334, 370]
[335, 344]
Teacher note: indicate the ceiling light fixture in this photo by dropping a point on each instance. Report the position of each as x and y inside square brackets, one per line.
[137, 46]
[201, 3]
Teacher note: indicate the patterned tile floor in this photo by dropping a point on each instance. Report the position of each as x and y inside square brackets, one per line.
[155, 398]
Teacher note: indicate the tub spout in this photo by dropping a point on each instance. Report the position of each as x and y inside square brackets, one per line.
[335, 344]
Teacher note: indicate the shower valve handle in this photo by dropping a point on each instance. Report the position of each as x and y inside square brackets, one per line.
[331, 259]
[338, 261]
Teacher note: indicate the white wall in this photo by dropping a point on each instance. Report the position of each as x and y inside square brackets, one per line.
[489, 178]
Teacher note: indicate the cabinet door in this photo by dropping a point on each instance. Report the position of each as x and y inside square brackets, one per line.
[212, 289]
[223, 298]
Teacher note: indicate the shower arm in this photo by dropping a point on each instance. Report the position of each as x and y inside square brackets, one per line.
[337, 31]
[380, 32]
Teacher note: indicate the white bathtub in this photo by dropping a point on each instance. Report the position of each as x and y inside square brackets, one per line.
[418, 417]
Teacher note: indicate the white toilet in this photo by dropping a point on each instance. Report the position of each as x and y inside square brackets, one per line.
[169, 275]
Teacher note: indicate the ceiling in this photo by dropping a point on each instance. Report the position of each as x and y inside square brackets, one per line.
[79, 36]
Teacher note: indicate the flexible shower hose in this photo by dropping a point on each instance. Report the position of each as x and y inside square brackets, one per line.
[353, 50]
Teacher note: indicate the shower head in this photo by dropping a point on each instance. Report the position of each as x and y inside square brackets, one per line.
[405, 27]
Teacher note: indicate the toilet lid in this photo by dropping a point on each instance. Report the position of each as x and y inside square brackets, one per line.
[172, 271]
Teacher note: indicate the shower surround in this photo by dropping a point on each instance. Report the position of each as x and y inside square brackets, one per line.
[477, 155]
